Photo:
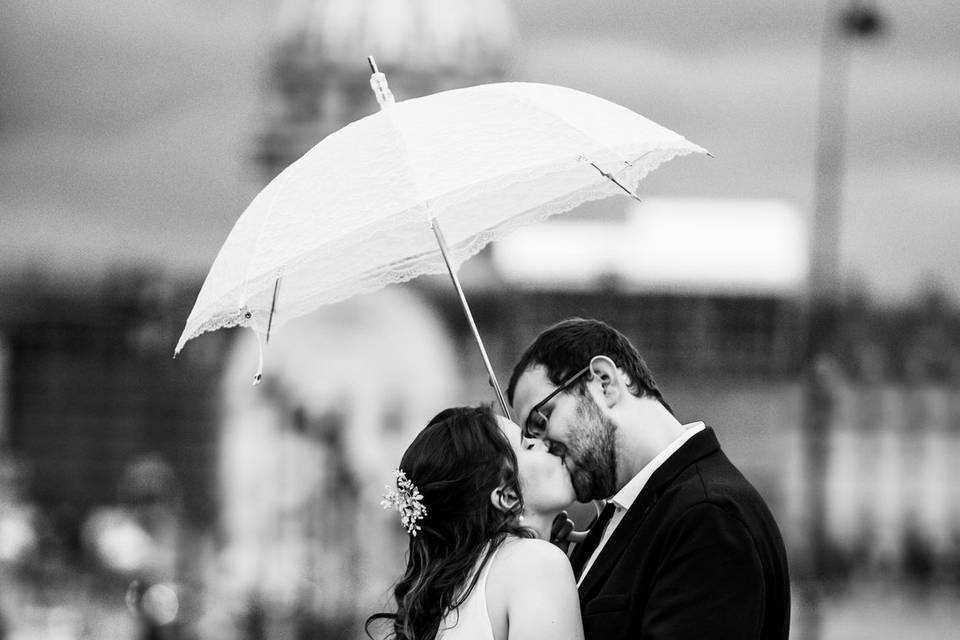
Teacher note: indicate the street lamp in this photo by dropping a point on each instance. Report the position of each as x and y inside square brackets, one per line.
[845, 22]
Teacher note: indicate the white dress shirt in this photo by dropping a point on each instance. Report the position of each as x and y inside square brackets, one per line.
[624, 498]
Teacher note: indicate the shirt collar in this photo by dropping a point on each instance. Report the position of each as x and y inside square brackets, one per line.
[625, 497]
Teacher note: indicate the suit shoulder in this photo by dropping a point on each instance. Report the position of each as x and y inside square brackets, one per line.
[727, 502]
[714, 480]
[718, 480]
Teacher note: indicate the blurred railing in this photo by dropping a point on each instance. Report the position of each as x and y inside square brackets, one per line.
[109, 446]
[112, 446]
[892, 383]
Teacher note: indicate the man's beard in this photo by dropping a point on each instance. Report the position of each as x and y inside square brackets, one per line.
[591, 448]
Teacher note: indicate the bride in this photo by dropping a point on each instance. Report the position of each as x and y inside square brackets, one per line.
[478, 504]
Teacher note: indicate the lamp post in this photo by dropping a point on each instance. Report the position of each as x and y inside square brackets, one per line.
[845, 21]
[844, 24]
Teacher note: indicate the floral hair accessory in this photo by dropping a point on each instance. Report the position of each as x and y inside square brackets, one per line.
[407, 500]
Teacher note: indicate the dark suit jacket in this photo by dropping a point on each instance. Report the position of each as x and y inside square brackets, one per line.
[697, 555]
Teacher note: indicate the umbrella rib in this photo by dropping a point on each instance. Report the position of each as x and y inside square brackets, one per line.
[612, 178]
[583, 134]
[273, 307]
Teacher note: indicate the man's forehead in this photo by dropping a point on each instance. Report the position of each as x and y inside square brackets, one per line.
[532, 386]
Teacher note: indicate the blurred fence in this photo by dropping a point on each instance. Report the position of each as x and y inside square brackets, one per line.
[92, 385]
[109, 448]
[893, 427]
[893, 500]
[112, 451]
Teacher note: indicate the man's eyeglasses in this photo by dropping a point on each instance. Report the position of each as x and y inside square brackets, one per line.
[536, 423]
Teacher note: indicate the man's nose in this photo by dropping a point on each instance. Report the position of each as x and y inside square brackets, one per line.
[533, 444]
[539, 444]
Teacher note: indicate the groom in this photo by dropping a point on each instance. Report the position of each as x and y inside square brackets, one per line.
[685, 547]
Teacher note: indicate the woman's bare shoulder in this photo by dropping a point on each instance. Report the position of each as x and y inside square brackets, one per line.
[531, 559]
[531, 584]
[531, 546]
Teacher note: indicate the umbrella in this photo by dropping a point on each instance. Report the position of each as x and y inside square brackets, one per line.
[418, 188]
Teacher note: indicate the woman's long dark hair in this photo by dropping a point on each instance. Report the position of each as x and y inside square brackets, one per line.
[458, 459]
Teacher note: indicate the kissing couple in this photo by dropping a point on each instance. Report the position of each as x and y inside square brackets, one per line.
[684, 547]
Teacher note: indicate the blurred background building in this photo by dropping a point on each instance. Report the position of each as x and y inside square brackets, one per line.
[145, 497]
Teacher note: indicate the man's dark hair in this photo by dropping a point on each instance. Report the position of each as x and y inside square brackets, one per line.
[568, 346]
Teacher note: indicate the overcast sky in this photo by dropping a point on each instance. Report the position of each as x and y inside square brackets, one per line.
[126, 127]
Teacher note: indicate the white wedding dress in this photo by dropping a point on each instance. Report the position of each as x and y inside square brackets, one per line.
[470, 621]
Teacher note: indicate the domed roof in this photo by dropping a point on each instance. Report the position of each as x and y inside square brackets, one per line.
[318, 77]
[467, 37]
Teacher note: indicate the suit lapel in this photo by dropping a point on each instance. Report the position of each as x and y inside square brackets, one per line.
[700, 445]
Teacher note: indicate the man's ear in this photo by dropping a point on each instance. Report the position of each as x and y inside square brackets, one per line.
[504, 499]
[613, 385]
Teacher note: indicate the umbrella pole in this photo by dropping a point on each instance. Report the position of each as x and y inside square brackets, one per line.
[466, 310]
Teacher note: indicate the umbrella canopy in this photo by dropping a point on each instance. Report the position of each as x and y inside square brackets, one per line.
[355, 213]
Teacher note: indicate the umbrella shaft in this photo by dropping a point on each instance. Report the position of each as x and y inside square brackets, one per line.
[466, 310]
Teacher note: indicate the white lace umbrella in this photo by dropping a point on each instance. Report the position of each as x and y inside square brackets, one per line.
[418, 188]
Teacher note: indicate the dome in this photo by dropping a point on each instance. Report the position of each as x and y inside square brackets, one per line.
[318, 77]
[462, 37]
